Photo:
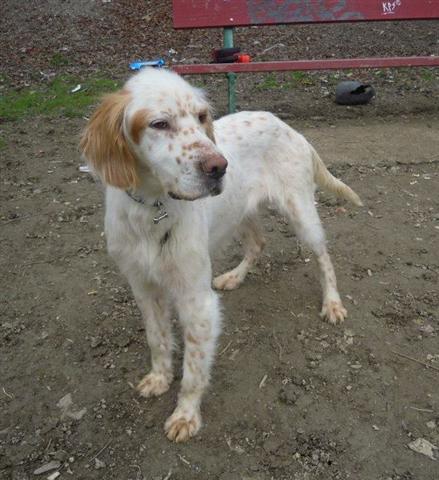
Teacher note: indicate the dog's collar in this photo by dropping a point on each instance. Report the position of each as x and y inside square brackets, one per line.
[161, 214]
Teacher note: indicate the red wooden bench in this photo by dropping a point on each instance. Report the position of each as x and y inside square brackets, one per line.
[232, 13]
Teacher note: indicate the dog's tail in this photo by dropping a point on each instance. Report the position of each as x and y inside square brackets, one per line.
[327, 181]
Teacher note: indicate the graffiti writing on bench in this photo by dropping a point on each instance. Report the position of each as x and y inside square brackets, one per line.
[390, 7]
[290, 11]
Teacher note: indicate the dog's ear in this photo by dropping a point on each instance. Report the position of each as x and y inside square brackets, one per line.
[105, 146]
[209, 126]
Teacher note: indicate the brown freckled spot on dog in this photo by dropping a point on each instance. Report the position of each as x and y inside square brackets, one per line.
[183, 154]
[191, 157]
[247, 122]
[262, 118]
[197, 354]
[170, 147]
[191, 339]
[178, 160]
[191, 367]
[292, 207]
[195, 145]
[185, 131]
[192, 130]
[138, 124]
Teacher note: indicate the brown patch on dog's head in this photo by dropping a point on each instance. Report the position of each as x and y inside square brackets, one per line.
[104, 144]
[208, 125]
[138, 124]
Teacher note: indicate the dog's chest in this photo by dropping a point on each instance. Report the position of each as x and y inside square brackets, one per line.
[166, 253]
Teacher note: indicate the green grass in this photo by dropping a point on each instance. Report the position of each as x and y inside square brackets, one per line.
[270, 82]
[2, 143]
[55, 99]
[428, 75]
[59, 60]
[294, 79]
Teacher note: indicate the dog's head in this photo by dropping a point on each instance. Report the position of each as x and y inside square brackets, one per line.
[157, 131]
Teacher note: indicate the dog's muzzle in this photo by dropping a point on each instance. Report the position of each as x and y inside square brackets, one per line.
[213, 165]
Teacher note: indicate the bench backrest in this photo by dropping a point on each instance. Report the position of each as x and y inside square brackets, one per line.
[232, 13]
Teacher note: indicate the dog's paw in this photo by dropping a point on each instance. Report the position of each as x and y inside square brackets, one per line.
[180, 427]
[333, 312]
[153, 384]
[227, 281]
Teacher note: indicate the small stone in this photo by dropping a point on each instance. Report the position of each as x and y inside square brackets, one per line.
[53, 465]
[53, 476]
[313, 356]
[297, 380]
[288, 394]
[65, 402]
[272, 444]
[99, 464]
[60, 455]
[431, 424]
[427, 329]
[95, 342]
[424, 447]
[149, 422]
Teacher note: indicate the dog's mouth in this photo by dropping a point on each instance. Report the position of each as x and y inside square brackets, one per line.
[212, 188]
[179, 196]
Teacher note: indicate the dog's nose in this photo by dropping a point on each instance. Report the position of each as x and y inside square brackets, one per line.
[214, 165]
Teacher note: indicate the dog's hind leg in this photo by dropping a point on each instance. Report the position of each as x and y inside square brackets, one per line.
[302, 212]
[253, 243]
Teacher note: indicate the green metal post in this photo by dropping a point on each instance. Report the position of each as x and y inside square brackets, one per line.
[231, 76]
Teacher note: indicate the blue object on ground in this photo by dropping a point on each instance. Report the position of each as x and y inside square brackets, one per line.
[147, 63]
[352, 92]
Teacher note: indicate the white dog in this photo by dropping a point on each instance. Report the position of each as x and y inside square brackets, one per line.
[155, 147]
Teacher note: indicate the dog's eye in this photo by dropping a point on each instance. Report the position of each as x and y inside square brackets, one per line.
[159, 124]
[202, 117]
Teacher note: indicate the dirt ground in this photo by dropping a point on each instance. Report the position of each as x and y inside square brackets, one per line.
[291, 397]
[337, 402]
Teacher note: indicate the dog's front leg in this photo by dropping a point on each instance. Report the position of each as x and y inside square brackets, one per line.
[199, 313]
[156, 314]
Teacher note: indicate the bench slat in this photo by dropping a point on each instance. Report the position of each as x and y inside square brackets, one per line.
[325, 64]
[232, 13]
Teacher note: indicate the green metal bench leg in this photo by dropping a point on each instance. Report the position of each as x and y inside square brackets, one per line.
[231, 77]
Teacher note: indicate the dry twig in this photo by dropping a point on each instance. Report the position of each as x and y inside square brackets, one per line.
[426, 365]
[101, 450]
